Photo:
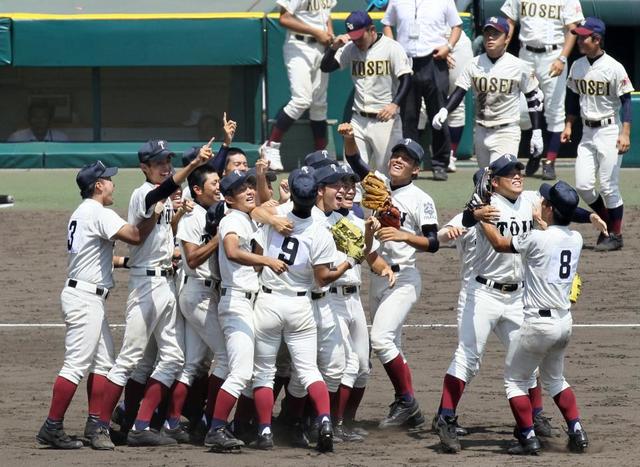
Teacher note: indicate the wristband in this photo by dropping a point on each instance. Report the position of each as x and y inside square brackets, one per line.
[125, 262]
[450, 46]
[563, 59]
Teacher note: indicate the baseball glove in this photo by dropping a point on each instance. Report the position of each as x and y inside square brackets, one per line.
[349, 239]
[376, 192]
[389, 216]
[215, 213]
[576, 288]
[482, 191]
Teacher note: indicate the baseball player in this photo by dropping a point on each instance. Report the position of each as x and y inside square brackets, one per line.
[381, 75]
[550, 259]
[497, 78]
[151, 306]
[284, 306]
[238, 289]
[390, 306]
[91, 232]
[309, 32]
[545, 45]
[600, 86]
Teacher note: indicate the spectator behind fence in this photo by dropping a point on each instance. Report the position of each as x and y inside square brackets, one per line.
[39, 117]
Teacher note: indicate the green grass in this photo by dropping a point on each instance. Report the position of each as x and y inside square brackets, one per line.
[56, 188]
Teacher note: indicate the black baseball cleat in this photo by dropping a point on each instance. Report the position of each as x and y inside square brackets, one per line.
[446, 430]
[91, 427]
[548, 171]
[245, 431]
[460, 431]
[525, 446]
[402, 412]
[345, 434]
[325, 437]
[298, 435]
[56, 438]
[533, 164]
[440, 174]
[578, 441]
[150, 437]
[179, 434]
[263, 441]
[542, 426]
[222, 440]
[611, 243]
[102, 439]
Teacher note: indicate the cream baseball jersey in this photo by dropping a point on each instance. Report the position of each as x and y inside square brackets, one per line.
[315, 13]
[89, 241]
[309, 244]
[599, 86]
[191, 229]
[516, 218]
[550, 259]
[542, 22]
[235, 275]
[374, 72]
[156, 251]
[497, 87]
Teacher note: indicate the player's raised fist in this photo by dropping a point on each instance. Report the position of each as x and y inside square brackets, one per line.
[229, 127]
[346, 130]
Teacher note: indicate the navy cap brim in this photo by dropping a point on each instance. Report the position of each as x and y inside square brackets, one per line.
[335, 177]
[494, 26]
[109, 172]
[509, 167]
[247, 178]
[545, 191]
[159, 156]
[408, 150]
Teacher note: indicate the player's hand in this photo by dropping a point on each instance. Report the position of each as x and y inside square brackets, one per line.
[262, 165]
[346, 130]
[536, 145]
[440, 53]
[204, 154]
[556, 68]
[454, 232]
[391, 234]
[486, 213]
[158, 208]
[599, 224]
[276, 265]
[282, 225]
[623, 144]
[387, 272]
[272, 203]
[187, 205]
[372, 223]
[565, 136]
[340, 41]
[229, 127]
[324, 37]
[440, 118]
[284, 191]
[388, 112]
[451, 62]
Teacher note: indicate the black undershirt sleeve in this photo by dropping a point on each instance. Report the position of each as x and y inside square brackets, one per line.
[358, 165]
[159, 193]
[329, 63]
[573, 103]
[431, 232]
[455, 98]
[625, 99]
[404, 84]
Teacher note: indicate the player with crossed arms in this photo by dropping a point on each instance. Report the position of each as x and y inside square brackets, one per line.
[91, 232]
[497, 78]
[550, 259]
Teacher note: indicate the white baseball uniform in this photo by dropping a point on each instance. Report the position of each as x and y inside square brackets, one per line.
[235, 311]
[542, 27]
[550, 258]
[599, 86]
[302, 57]
[375, 74]
[497, 86]
[151, 305]
[88, 341]
[286, 311]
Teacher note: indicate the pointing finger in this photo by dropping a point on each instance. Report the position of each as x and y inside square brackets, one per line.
[210, 141]
[224, 118]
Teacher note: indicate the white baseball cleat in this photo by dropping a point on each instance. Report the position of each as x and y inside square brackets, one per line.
[272, 153]
[452, 164]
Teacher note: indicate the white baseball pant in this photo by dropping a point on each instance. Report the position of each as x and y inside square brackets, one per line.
[598, 158]
[88, 343]
[554, 89]
[389, 310]
[375, 139]
[151, 312]
[281, 316]
[235, 313]
[540, 342]
[353, 325]
[491, 143]
[308, 85]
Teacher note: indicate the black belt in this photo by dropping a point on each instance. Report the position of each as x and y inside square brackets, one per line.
[498, 286]
[346, 289]
[268, 290]
[310, 40]
[99, 290]
[423, 59]
[545, 313]
[368, 114]
[540, 50]
[317, 296]
[395, 267]
[247, 295]
[495, 127]
[163, 273]
[206, 282]
[598, 123]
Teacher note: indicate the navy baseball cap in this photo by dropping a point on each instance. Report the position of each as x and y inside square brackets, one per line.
[89, 174]
[233, 180]
[357, 23]
[505, 164]
[189, 155]
[153, 150]
[271, 175]
[414, 150]
[319, 159]
[477, 175]
[348, 173]
[497, 22]
[303, 186]
[562, 196]
[328, 174]
[590, 25]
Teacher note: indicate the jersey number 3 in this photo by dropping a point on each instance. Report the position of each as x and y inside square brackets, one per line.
[289, 249]
[73, 225]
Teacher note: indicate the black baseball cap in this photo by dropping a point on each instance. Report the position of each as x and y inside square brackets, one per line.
[348, 173]
[505, 164]
[414, 150]
[357, 23]
[590, 25]
[233, 180]
[319, 159]
[303, 186]
[562, 196]
[271, 175]
[153, 150]
[328, 174]
[89, 174]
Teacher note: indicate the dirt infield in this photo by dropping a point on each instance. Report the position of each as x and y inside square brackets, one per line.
[603, 364]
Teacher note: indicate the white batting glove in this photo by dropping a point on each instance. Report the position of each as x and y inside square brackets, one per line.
[537, 145]
[440, 118]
